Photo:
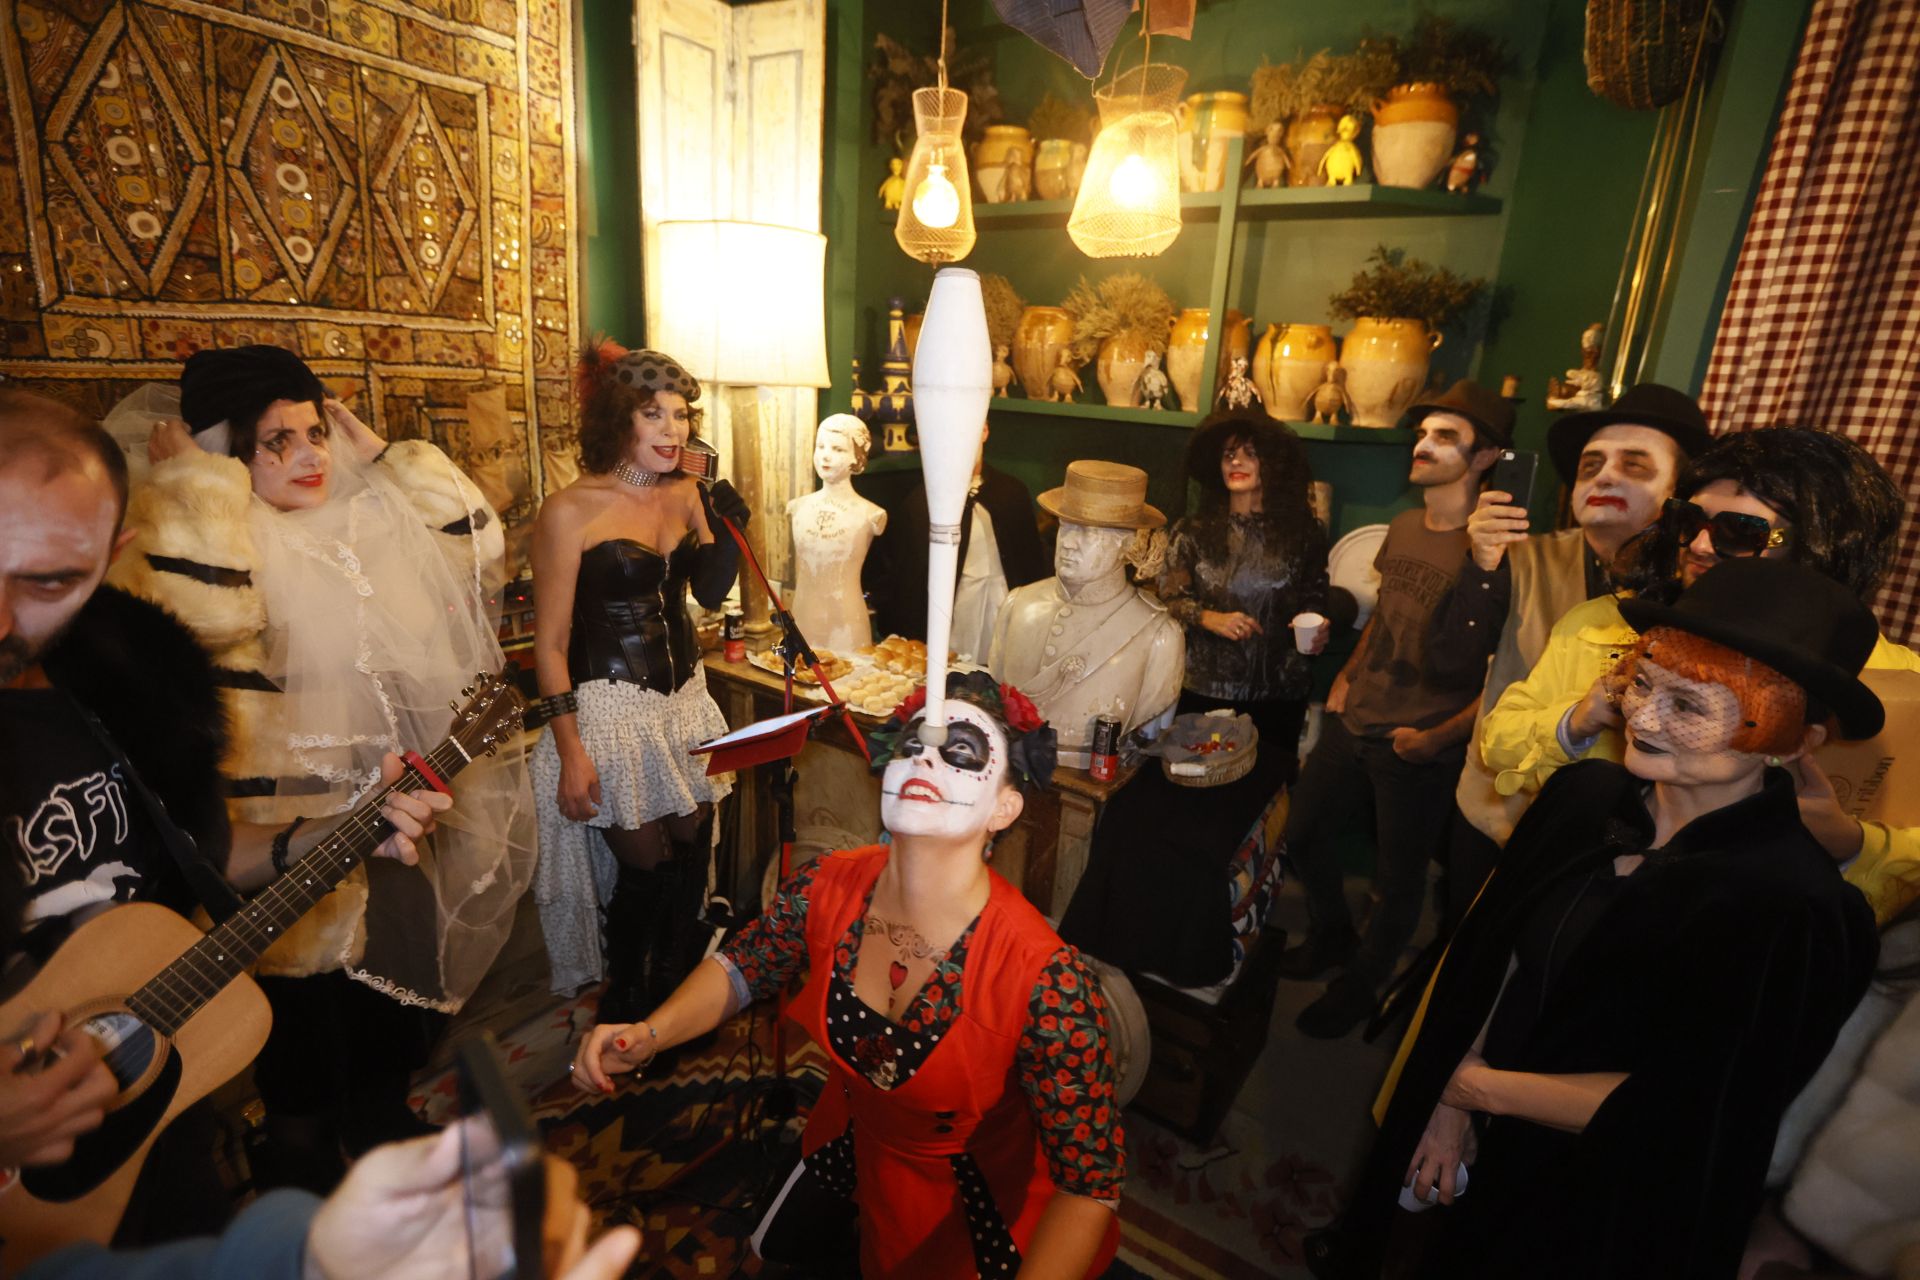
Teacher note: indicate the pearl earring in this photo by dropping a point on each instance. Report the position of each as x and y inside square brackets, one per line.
[1774, 761]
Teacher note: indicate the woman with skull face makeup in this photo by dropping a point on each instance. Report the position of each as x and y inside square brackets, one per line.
[1658, 965]
[969, 1125]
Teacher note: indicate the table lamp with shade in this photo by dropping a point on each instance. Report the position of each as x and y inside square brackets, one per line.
[744, 310]
[952, 386]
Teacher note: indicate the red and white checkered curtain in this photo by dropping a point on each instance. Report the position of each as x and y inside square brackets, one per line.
[1822, 321]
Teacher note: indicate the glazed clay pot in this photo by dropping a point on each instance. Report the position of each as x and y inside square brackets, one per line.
[1003, 163]
[1386, 363]
[1413, 135]
[1187, 352]
[910, 327]
[1290, 364]
[1122, 359]
[1043, 333]
[1208, 122]
[1309, 134]
[1052, 170]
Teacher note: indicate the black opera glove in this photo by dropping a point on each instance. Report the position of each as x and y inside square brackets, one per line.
[721, 499]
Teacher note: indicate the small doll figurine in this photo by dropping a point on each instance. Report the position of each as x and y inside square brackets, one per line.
[1239, 393]
[1580, 390]
[1330, 398]
[1342, 163]
[1063, 383]
[1018, 183]
[1153, 387]
[1002, 371]
[1270, 161]
[1465, 168]
[894, 190]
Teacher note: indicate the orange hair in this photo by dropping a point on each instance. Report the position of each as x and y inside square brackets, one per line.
[1773, 709]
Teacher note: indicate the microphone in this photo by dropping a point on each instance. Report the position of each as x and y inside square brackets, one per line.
[699, 460]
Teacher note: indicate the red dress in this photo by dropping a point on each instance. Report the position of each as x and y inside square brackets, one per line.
[956, 1154]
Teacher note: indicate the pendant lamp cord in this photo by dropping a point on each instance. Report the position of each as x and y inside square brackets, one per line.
[942, 61]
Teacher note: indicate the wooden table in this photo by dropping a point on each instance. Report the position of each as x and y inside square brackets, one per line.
[837, 801]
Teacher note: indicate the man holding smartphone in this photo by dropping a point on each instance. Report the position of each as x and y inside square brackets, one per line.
[1621, 463]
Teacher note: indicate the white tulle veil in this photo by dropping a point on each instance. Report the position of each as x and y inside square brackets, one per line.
[372, 637]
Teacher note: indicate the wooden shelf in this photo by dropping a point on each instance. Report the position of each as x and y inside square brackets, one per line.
[1400, 437]
[1362, 200]
[1094, 412]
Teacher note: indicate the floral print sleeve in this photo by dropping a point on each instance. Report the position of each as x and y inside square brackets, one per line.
[1066, 1070]
[773, 946]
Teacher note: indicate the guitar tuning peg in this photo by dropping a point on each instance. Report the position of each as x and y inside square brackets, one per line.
[453, 706]
[467, 691]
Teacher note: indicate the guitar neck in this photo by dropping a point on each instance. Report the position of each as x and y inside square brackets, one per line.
[179, 991]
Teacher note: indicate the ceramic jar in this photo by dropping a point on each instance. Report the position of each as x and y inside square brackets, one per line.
[1123, 358]
[1413, 135]
[1386, 363]
[1043, 333]
[1003, 163]
[1309, 134]
[910, 328]
[1057, 166]
[1187, 352]
[1208, 123]
[1290, 363]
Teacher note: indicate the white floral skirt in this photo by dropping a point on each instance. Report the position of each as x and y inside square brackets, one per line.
[638, 740]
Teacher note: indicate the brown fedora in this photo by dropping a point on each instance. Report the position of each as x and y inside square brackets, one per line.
[1485, 409]
[1110, 495]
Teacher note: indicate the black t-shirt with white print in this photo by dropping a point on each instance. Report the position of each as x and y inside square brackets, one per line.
[80, 836]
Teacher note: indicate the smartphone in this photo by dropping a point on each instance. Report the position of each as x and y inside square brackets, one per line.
[1513, 473]
[502, 1169]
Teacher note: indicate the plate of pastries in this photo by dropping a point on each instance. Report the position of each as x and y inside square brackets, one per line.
[874, 692]
[833, 664]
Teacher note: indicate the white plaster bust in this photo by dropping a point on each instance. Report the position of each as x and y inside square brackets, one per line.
[832, 529]
[1085, 642]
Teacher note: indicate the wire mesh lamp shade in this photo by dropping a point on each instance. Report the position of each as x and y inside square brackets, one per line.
[936, 217]
[1129, 201]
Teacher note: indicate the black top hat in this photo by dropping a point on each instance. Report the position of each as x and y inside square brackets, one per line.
[1646, 405]
[1488, 411]
[1790, 616]
[236, 384]
[1203, 450]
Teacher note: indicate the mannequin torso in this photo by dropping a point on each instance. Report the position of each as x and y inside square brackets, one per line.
[832, 529]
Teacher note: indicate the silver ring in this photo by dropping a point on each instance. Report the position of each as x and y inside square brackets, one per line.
[569, 1067]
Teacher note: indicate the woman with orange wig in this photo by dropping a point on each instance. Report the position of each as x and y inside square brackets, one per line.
[1661, 960]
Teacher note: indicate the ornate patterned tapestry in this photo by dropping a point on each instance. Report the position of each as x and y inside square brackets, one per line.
[384, 186]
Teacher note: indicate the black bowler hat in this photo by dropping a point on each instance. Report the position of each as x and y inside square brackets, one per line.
[1646, 405]
[1488, 411]
[1792, 617]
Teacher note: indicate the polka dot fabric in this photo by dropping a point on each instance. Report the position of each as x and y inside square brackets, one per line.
[655, 371]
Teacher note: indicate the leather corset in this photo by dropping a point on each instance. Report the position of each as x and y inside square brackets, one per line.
[630, 615]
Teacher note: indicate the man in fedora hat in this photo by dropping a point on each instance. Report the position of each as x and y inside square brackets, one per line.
[1395, 736]
[1085, 642]
[1621, 463]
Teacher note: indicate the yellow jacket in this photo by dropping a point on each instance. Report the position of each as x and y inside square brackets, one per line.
[1520, 739]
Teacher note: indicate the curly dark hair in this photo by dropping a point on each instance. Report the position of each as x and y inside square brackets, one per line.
[607, 406]
[1843, 510]
[1286, 476]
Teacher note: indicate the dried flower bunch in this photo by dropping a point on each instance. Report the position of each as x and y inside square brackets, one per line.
[1463, 60]
[1125, 302]
[1003, 308]
[1055, 118]
[896, 71]
[1398, 287]
[1348, 81]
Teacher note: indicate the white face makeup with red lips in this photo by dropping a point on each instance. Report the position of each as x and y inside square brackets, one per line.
[949, 791]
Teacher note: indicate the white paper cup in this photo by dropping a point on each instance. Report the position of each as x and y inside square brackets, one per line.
[1305, 627]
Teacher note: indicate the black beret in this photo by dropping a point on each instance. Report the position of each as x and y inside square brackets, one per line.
[236, 384]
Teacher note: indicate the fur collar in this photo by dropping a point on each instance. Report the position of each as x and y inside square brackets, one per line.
[151, 684]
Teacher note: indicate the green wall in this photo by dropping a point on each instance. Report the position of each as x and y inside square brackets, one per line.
[609, 160]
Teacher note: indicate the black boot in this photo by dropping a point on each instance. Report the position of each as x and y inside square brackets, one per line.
[631, 916]
[680, 936]
[1327, 947]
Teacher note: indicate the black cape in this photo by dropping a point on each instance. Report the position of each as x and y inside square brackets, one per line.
[897, 577]
[1717, 979]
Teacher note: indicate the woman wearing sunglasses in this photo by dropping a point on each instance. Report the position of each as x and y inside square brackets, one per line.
[1785, 493]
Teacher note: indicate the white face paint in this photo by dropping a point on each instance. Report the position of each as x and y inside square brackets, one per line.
[946, 792]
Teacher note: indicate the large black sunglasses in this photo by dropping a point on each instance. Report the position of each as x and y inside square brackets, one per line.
[1731, 533]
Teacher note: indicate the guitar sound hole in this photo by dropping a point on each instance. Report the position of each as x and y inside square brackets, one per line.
[129, 1047]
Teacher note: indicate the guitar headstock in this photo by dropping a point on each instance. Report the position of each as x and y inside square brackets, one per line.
[490, 717]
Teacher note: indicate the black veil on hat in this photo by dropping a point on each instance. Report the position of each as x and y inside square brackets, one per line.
[236, 384]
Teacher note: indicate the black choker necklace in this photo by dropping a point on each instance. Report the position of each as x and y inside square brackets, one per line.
[626, 471]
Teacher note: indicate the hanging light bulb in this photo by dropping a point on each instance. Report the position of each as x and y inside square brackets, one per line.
[936, 223]
[1129, 200]
[935, 202]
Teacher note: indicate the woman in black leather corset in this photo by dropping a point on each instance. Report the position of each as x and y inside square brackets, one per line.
[625, 812]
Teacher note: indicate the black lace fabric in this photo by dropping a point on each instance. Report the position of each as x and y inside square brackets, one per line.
[1245, 564]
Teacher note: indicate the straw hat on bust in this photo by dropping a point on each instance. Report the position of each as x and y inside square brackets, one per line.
[1107, 495]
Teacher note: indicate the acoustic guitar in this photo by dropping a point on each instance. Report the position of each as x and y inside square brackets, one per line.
[173, 1009]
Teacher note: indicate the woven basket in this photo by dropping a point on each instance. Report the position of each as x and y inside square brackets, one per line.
[1639, 52]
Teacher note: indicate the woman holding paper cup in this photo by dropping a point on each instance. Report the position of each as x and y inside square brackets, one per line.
[1247, 575]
